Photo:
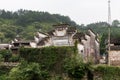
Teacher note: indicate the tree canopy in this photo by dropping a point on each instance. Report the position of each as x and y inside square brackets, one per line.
[27, 22]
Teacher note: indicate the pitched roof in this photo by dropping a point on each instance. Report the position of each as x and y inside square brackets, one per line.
[115, 48]
[96, 35]
[92, 31]
[51, 32]
[61, 24]
[22, 42]
[115, 40]
[42, 42]
[71, 30]
[79, 36]
[37, 34]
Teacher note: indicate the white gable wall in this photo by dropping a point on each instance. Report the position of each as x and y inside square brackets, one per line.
[33, 44]
[91, 33]
[60, 33]
[80, 49]
[36, 39]
[42, 35]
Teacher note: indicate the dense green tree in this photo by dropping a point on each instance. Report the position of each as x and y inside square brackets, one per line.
[1, 58]
[27, 22]
[6, 54]
[25, 71]
[116, 23]
[1, 36]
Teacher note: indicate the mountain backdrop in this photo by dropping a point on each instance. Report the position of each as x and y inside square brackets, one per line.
[26, 23]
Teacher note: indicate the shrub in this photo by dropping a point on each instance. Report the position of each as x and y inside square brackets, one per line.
[51, 58]
[6, 54]
[14, 58]
[108, 72]
[25, 71]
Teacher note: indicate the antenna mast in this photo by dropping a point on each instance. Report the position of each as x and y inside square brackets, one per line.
[109, 12]
[109, 24]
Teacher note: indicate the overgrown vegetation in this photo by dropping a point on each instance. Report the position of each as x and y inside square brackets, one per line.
[25, 71]
[50, 63]
[4, 72]
[56, 63]
[7, 56]
[49, 57]
[107, 72]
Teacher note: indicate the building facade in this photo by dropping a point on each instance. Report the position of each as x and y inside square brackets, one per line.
[64, 35]
[114, 53]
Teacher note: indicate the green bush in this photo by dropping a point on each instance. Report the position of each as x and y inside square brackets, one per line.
[75, 69]
[1, 58]
[48, 57]
[6, 54]
[3, 77]
[14, 58]
[25, 71]
[4, 72]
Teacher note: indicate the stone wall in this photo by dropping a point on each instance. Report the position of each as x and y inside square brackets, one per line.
[114, 57]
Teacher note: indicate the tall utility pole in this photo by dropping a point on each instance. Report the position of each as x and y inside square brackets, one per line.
[109, 25]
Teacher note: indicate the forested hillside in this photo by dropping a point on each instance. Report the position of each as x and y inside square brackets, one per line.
[26, 22]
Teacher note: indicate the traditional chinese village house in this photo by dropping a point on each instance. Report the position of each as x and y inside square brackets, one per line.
[64, 35]
[18, 42]
[114, 53]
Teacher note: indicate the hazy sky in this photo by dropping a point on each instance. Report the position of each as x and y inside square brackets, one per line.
[81, 11]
